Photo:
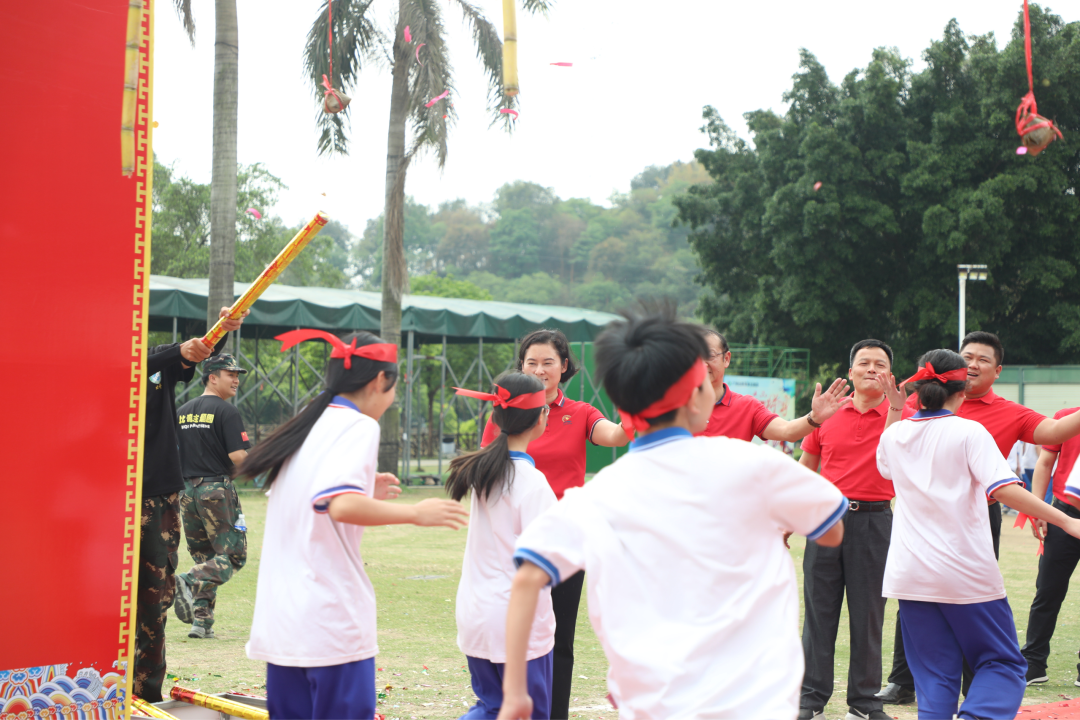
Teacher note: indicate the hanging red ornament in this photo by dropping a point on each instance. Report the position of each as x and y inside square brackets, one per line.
[1036, 132]
[334, 101]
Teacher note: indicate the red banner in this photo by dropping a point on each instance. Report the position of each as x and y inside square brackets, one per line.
[74, 268]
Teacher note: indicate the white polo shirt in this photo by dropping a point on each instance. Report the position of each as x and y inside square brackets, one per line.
[943, 468]
[314, 605]
[488, 569]
[691, 591]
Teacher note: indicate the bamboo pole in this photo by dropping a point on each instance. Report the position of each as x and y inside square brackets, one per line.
[222, 705]
[141, 707]
[131, 87]
[269, 275]
[510, 71]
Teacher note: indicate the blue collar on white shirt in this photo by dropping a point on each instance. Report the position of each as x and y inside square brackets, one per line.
[931, 414]
[660, 437]
[518, 455]
[343, 402]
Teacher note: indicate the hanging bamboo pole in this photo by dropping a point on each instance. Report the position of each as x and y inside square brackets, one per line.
[131, 87]
[510, 71]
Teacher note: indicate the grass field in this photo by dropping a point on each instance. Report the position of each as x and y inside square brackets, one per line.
[415, 572]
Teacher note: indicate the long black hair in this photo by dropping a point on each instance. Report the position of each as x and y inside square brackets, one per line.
[269, 455]
[932, 392]
[490, 469]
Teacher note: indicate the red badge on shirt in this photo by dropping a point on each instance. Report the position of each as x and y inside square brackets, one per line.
[243, 436]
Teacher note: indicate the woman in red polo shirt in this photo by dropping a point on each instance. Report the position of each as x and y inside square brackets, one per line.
[560, 454]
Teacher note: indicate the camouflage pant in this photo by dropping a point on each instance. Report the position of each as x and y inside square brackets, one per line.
[159, 539]
[210, 511]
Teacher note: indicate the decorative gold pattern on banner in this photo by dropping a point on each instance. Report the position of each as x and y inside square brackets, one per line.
[144, 178]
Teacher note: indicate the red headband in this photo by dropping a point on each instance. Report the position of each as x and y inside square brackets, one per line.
[676, 396]
[528, 401]
[927, 372]
[380, 352]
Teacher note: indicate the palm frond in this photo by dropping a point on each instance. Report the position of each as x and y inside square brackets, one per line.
[183, 9]
[356, 38]
[489, 51]
[538, 6]
[427, 80]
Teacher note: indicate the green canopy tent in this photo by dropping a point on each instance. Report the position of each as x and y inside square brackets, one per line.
[179, 305]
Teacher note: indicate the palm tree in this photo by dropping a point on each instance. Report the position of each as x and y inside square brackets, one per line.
[357, 38]
[223, 174]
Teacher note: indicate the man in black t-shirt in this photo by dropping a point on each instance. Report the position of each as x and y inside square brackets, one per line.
[159, 524]
[212, 443]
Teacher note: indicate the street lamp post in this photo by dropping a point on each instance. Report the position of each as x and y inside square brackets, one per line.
[965, 273]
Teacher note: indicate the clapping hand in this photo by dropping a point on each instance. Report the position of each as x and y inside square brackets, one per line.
[825, 404]
[897, 395]
[387, 486]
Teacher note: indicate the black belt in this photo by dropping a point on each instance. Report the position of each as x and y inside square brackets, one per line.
[197, 481]
[864, 506]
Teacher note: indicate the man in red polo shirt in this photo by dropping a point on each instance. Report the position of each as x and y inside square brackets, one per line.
[744, 416]
[845, 448]
[1007, 422]
[1059, 558]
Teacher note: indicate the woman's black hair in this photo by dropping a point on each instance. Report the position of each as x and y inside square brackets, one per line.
[269, 455]
[490, 469]
[640, 357]
[555, 339]
[933, 393]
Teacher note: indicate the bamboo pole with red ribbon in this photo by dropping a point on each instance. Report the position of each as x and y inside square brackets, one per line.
[212, 702]
[1036, 132]
[268, 276]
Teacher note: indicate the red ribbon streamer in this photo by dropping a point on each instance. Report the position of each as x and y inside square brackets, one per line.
[328, 84]
[1021, 520]
[676, 396]
[927, 372]
[379, 352]
[501, 398]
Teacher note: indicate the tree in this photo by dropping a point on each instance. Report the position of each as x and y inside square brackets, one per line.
[918, 173]
[360, 39]
[223, 188]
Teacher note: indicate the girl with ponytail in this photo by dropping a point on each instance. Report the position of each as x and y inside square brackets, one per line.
[508, 493]
[941, 564]
[314, 621]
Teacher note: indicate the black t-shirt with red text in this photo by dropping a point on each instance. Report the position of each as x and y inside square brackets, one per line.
[209, 429]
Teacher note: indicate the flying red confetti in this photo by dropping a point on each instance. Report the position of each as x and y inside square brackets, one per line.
[1022, 150]
[408, 35]
[256, 213]
[418, 52]
[562, 64]
[434, 100]
[817, 186]
[506, 111]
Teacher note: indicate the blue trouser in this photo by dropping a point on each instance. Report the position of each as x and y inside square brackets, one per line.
[487, 680]
[343, 692]
[938, 637]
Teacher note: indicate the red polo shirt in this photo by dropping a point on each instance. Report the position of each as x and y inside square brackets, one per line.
[738, 416]
[1068, 452]
[1005, 420]
[560, 452]
[847, 444]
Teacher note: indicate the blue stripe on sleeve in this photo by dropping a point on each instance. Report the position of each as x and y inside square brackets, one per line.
[321, 501]
[523, 554]
[1072, 491]
[833, 519]
[994, 487]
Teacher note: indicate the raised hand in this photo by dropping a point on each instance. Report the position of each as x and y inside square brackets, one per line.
[897, 396]
[825, 404]
[435, 512]
[232, 325]
[387, 486]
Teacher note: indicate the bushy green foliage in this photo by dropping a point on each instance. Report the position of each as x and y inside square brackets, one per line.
[918, 173]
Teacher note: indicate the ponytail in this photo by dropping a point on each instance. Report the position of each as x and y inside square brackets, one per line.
[490, 469]
[269, 455]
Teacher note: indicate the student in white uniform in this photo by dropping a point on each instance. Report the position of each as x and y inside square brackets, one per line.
[691, 592]
[508, 493]
[941, 564]
[314, 621]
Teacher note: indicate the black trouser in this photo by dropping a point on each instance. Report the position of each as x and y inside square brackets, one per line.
[901, 674]
[565, 598]
[857, 565]
[1061, 552]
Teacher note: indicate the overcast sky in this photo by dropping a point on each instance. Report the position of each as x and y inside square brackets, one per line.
[642, 71]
